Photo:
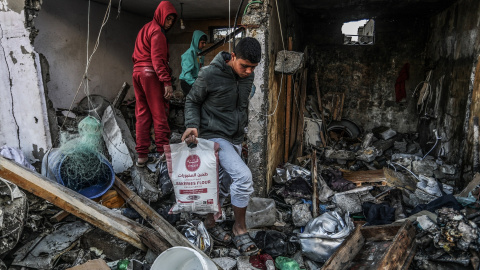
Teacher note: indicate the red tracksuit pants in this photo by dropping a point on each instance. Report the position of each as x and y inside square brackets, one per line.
[150, 107]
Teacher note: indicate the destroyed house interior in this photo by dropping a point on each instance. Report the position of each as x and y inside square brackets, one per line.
[362, 137]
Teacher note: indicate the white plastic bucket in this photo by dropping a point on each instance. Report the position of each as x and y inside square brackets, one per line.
[182, 258]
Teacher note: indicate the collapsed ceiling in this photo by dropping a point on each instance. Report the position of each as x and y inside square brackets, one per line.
[366, 9]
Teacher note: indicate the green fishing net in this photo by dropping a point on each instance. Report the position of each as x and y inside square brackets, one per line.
[83, 164]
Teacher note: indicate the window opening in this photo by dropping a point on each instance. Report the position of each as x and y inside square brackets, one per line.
[218, 33]
[360, 32]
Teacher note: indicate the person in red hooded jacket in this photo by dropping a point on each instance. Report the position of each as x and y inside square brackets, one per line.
[152, 82]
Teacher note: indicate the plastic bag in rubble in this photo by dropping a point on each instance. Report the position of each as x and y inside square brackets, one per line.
[164, 182]
[197, 234]
[274, 243]
[427, 189]
[301, 214]
[298, 188]
[324, 234]
[16, 155]
[194, 174]
[294, 171]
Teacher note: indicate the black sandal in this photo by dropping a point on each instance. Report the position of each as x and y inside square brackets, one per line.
[143, 164]
[245, 245]
[218, 234]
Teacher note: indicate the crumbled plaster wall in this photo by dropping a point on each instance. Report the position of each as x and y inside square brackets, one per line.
[62, 39]
[452, 51]
[23, 114]
[367, 73]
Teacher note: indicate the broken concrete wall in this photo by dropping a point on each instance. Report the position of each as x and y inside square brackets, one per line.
[367, 73]
[23, 113]
[451, 53]
[266, 128]
[62, 38]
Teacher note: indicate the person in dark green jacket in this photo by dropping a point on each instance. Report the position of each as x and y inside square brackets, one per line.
[216, 109]
[191, 62]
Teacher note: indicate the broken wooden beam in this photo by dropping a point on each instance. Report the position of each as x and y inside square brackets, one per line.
[360, 178]
[165, 229]
[315, 201]
[82, 207]
[121, 95]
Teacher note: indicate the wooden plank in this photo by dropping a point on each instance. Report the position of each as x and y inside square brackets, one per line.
[315, 201]
[320, 108]
[59, 216]
[346, 252]
[288, 109]
[396, 244]
[369, 177]
[300, 123]
[121, 95]
[294, 118]
[165, 229]
[80, 206]
[396, 255]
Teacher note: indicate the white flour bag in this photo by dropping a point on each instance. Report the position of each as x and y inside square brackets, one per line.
[194, 175]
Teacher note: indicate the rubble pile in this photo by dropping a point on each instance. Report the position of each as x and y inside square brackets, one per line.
[317, 207]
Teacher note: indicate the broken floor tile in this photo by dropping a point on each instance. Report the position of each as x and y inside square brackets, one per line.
[111, 246]
[41, 253]
[226, 263]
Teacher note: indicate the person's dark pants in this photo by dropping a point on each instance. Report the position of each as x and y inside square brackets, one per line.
[185, 87]
[150, 107]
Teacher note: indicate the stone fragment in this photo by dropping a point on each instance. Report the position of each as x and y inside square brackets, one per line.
[226, 263]
[400, 146]
[425, 167]
[339, 154]
[288, 62]
[448, 169]
[367, 140]
[368, 154]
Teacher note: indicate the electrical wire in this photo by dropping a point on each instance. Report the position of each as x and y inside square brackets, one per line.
[253, 2]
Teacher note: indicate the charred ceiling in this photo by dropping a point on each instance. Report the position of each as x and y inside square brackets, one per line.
[361, 9]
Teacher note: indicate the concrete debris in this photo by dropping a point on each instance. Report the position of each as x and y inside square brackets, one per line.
[13, 214]
[288, 62]
[425, 167]
[118, 139]
[339, 154]
[351, 201]
[42, 252]
[226, 263]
